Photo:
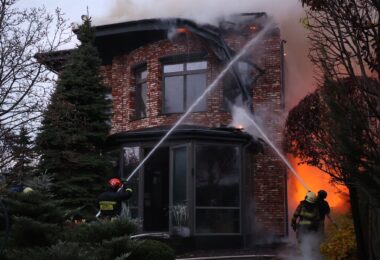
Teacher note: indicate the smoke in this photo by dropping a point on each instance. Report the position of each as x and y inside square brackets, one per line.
[307, 249]
[209, 11]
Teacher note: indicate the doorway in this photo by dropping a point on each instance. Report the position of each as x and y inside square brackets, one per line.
[156, 191]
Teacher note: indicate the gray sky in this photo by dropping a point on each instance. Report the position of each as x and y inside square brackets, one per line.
[72, 8]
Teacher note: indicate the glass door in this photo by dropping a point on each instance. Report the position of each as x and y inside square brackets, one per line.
[179, 197]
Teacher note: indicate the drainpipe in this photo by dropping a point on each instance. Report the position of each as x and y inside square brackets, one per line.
[282, 69]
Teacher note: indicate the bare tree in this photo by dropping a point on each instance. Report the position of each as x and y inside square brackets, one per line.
[344, 138]
[24, 82]
[344, 36]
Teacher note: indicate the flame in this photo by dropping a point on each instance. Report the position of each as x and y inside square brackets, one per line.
[317, 180]
[182, 30]
[253, 28]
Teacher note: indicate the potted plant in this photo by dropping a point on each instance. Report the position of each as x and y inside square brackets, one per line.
[180, 220]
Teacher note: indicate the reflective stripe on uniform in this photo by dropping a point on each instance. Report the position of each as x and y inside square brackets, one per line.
[107, 205]
[305, 222]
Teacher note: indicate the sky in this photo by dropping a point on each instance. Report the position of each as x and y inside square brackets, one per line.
[72, 8]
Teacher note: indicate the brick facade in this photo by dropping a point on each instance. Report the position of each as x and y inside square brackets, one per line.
[268, 178]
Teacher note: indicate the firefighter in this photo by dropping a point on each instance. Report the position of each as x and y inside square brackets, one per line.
[110, 202]
[306, 217]
[324, 210]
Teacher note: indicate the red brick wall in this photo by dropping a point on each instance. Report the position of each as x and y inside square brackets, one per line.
[268, 174]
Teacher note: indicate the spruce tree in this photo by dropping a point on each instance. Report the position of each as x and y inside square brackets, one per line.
[23, 155]
[75, 127]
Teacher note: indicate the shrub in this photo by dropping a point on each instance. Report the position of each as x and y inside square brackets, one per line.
[151, 249]
[340, 243]
[98, 231]
[27, 232]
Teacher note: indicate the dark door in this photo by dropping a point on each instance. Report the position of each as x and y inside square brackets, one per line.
[156, 191]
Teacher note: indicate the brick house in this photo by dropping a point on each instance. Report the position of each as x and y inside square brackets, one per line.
[230, 187]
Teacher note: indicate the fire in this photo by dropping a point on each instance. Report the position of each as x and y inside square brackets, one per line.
[253, 28]
[182, 30]
[316, 180]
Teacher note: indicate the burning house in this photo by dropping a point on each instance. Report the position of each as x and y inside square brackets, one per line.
[209, 180]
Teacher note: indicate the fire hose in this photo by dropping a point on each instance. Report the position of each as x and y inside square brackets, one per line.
[332, 221]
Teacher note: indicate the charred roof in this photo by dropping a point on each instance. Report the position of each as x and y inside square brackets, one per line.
[114, 39]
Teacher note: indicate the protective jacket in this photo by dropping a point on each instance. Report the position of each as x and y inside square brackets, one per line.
[110, 201]
[308, 215]
[324, 208]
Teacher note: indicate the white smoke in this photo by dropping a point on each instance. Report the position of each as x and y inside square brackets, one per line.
[199, 10]
[307, 249]
[265, 117]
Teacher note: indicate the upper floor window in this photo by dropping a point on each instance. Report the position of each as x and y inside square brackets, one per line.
[140, 92]
[232, 93]
[183, 84]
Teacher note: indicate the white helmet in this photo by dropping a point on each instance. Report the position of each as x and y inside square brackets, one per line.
[27, 190]
[311, 197]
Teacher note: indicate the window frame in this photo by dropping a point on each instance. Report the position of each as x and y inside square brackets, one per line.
[194, 190]
[138, 84]
[184, 73]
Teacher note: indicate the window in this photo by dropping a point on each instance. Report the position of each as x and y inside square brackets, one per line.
[131, 159]
[217, 189]
[140, 93]
[232, 93]
[183, 84]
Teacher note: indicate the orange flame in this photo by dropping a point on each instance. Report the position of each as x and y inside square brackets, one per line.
[317, 180]
[253, 28]
[182, 30]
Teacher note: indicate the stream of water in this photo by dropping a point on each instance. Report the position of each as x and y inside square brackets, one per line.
[274, 147]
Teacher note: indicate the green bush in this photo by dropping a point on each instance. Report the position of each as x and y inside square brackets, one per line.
[116, 247]
[151, 249]
[97, 231]
[340, 243]
[27, 232]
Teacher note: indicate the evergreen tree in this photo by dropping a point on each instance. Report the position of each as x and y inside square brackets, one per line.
[40, 229]
[23, 155]
[75, 126]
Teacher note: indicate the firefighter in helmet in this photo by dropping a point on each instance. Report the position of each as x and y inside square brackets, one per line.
[110, 201]
[306, 217]
[324, 210]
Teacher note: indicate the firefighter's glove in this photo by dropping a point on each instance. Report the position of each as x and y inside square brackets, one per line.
[294, 226]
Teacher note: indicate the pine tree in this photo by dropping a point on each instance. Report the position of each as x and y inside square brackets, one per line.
[23, 155]
[40, 229]
[75, 126]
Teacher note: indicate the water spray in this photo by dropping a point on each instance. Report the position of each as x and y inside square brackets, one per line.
[276, 150]
[244, 50]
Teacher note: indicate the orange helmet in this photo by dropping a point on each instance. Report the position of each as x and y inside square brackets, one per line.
[115, 183]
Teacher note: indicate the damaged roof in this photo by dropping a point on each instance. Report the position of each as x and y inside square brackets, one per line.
[114, 39]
